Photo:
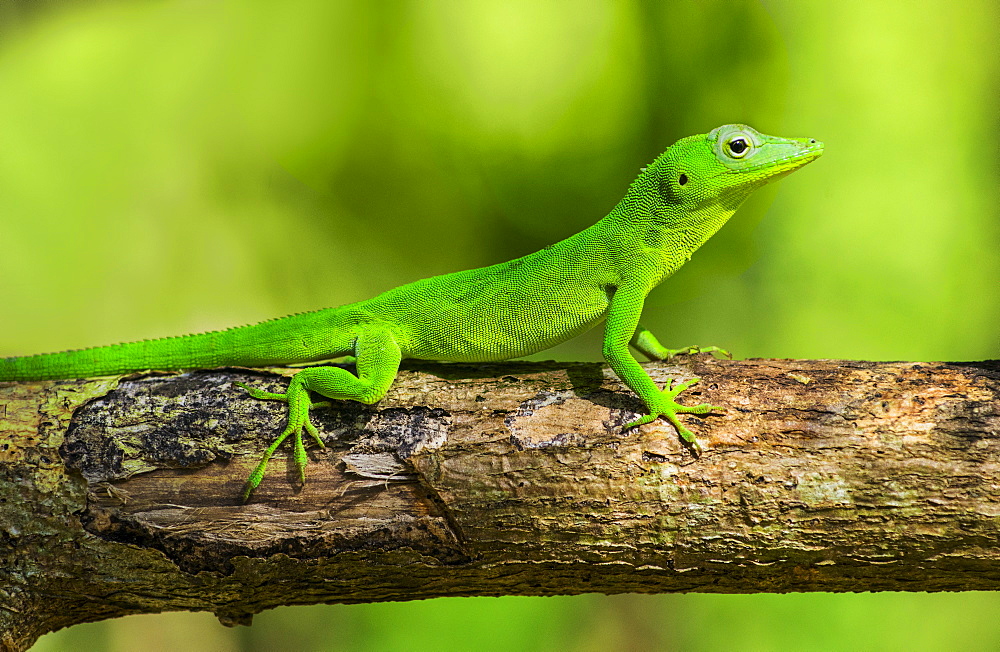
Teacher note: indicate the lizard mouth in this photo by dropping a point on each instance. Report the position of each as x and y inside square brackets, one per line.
[788, 157]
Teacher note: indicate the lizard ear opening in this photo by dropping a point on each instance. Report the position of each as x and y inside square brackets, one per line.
[683, 179]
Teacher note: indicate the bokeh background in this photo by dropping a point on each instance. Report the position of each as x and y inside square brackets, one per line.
[176, 166]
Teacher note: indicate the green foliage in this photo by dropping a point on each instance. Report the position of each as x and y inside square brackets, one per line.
[171, 167]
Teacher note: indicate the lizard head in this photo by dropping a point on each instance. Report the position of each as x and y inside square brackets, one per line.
[721, 168]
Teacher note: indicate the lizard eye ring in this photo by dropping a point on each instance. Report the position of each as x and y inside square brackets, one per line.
[739, 146]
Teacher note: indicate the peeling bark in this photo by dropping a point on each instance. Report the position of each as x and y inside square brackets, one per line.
[121, 495]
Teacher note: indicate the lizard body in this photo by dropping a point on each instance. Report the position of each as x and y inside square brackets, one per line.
[493, 313]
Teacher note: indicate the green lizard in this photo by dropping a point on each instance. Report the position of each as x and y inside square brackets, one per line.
[494, 313]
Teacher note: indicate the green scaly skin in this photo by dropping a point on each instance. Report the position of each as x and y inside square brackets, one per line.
[494, 313]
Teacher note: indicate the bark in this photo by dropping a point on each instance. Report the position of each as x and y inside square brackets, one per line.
[121, 495]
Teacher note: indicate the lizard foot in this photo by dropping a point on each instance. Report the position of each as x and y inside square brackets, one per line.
[665, 406]
[691, 350]
[299, 404]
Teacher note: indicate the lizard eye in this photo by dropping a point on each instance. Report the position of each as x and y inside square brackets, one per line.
[738, 147]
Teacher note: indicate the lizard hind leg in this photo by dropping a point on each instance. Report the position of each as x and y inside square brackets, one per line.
[378, 357]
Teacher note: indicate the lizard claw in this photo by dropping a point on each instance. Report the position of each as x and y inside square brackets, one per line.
[668, 408]
[694, 349]
[299, 404]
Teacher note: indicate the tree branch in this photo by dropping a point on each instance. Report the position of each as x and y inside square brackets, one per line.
[121, 495]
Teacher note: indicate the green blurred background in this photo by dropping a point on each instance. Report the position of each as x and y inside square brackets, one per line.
[169, 167]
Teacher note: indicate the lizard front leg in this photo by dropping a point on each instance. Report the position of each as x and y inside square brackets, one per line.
[378, 357]
[621, 329]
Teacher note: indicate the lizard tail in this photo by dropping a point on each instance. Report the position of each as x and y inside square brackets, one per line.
[299, 338]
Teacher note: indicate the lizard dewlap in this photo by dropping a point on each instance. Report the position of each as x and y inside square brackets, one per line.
[601, 274]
